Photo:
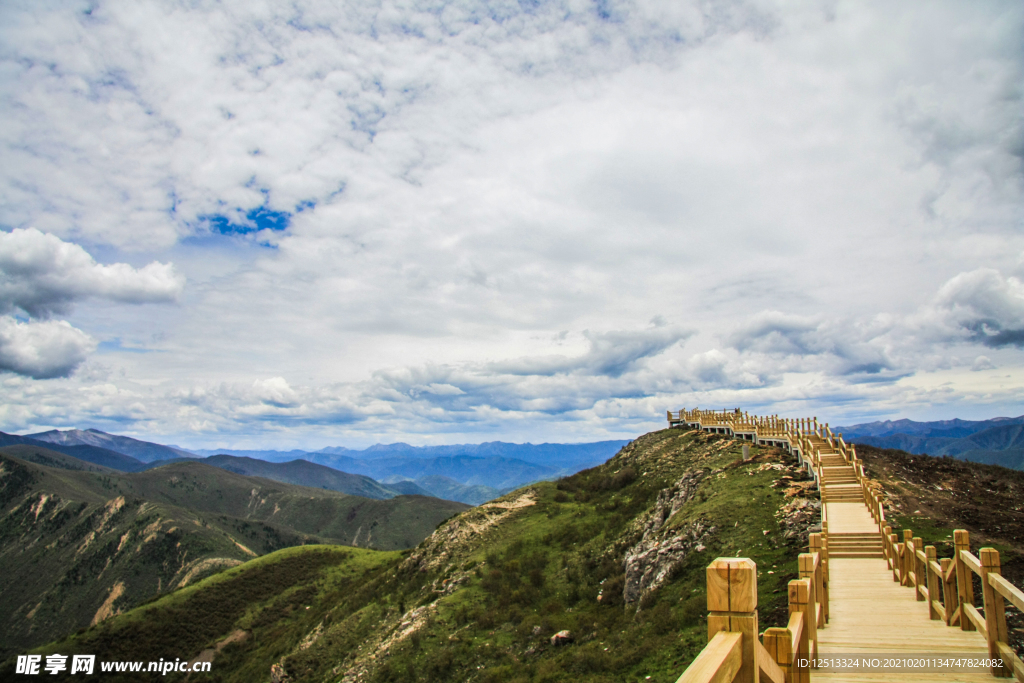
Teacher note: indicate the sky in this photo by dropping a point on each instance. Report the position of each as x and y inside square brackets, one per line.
[247, 224]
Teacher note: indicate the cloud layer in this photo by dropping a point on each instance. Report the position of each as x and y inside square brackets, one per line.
[458, 221]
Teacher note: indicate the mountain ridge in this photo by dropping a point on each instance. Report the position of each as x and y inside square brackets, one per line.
[998, 441]
[74, 539]
[145, 451]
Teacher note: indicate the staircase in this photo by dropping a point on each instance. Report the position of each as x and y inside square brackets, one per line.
[838, 480]
[855, 545]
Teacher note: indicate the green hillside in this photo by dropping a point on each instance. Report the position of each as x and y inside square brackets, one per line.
[51, 458]
[303, 473]
[615, 554]
[77, 546]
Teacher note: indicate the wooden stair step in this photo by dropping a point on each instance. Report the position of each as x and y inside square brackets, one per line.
[853, 554]
[854, 534]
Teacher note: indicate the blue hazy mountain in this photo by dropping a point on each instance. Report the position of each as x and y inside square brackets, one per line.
[999, 441]
[144, 451]
[494, 465]
[468, 473]
[94, 454]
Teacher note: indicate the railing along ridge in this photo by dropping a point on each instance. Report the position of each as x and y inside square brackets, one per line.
[734, 653]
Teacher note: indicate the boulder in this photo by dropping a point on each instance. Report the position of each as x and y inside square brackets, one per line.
[561, 638]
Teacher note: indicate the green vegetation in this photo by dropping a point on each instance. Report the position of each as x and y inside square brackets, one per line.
[79, 545]
[480, 599]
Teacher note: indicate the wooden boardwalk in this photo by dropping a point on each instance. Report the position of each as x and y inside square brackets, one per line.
[872, 614]
[864, 591]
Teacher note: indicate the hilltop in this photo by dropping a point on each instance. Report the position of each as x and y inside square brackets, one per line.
[614, 554]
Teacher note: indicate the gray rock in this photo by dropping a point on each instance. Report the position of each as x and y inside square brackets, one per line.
[651, 560]
[562, 638]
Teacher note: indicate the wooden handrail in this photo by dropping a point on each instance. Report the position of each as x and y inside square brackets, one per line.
[1007, 590]
[799, 436]
[767, 666]
[718, 662]
[946, 585]
[972, 562]
[948, 588]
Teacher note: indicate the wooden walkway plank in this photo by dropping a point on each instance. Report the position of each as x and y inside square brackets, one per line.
[871, 614]
[850, 518]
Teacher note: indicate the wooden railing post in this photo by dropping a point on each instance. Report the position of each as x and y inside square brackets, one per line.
[732, 606]
[806, 571]
[949, 597]
[933, 582]
[887, 545]
[920, 578]
[816, 545]
[964, 581]
[779, 644]
[995, 612]
[897, 559]
[908, 557]
[800, 603]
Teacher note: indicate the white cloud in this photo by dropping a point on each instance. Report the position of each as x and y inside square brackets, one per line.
[984, 307]
[982, 363]
[847, 347]
[43, 275]
[610, 353]
[42, 350]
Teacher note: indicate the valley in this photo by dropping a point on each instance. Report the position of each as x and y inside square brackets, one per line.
[80, 542]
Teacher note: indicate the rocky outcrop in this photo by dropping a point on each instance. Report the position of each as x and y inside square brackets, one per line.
[797, 518]
[650, 562]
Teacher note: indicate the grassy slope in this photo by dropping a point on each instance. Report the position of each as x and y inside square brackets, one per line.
[385, 524]
[69, 540]
[481, 597]
[51, 458]
[303, 473]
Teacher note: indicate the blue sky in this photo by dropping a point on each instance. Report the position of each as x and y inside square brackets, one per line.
[302, 224]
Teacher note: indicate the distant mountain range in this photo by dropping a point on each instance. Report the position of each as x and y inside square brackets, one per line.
[999, 441]
[81, 541]
[94, 454]
[140, 450]
[466, 473]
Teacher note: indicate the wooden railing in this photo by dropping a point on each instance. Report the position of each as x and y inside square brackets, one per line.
[947, 585]
[734, 652]
[804, 437]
